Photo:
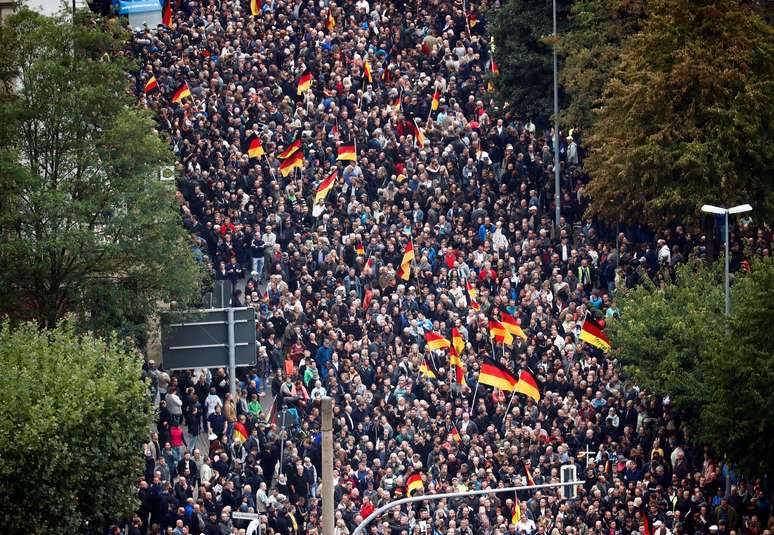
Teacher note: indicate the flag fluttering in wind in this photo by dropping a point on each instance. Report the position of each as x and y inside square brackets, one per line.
[436, 99]
[427, 369]
[254, 147]
[255, 7]
[296, 160]
[591, 333]
[182, 92]
[472, 296]
[347, 152]
[436, 342]
[528, 386]
[511, 325]
[292, 148]
[325, 186]
[404, 270]
[304, 83]
[500, 334]
[497, 376]
[240, 432]
[151, 86]
[414, 483]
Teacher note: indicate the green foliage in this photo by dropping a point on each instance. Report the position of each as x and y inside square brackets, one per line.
[74, 413]
[740, 412]
[591, 49]
[687, 115]
[675, 340]
[86, 226]
[665, 332]
[521, 29]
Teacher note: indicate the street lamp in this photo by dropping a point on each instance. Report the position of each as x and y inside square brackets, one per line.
[709, 209]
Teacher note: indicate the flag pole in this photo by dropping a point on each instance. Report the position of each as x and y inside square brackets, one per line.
[271, 170]
[430, 114]
[473, 403]
[508, 408]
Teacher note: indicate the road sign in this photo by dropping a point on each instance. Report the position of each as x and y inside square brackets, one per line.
[200, 338]
[567, 474]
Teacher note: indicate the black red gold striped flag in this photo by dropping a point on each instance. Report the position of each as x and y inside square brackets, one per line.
[182, 92]
[591, 333]
[151, 86]
[497, 376]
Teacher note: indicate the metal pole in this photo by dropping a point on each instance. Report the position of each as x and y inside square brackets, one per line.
[726, 283]
[557, 185]
[231, 355]
[432, 497]
[326, 429]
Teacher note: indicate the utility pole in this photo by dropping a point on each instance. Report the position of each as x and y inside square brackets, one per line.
[326, 429]
[557, 179]
[231, 354]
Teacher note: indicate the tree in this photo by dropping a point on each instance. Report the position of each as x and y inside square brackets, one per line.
[73, 416]
[525, 57]
[665, 333]
[591, 49]
[740, 412]
[687, 115]
[675, 340]
[85, 225]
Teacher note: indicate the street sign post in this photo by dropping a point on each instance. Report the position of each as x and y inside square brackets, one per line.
[209, 339]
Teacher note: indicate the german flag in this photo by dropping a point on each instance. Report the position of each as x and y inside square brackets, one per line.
[419, 136]
[254, 147]
[166, 13]
[324, 187]
[359, 249]
[367, 74]
[295, 161]
[334, 129]
[240, 432]
[293, 147]
[516, 512]
[458, 344]
[182, 92]
[255, 7]
[528, 386]
[414, 483]
[591, 333]
[498, 331]
[151, 86]
[404, 271]
[493, 67]
[530, 479]
[454, 435]
[347, 152]
[386, 75]
[472, 20]
[330, 22]
[511, 325]
[497, 376]
[396, 103]
[472, 294]
[436, 99]
[435, 341]
[426, 369]
[459, 369]
[304, 83]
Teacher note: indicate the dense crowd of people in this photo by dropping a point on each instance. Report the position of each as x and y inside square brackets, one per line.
[335, 317]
